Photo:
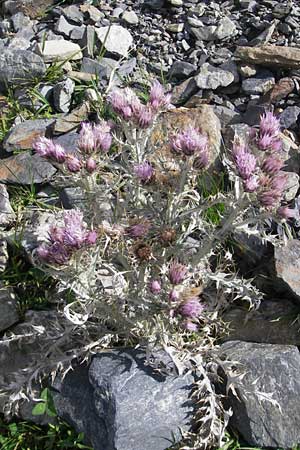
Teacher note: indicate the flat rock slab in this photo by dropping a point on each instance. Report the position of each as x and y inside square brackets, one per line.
[72, 120]
[273, 323]
[19, 66]
[52, 51]
[126, 405]
[271, 56]
[115, 39]
[25, 168]
[8, 309]
[287, 266]
[7, 214]
[31, 8]
[22, 136]
[271, 369]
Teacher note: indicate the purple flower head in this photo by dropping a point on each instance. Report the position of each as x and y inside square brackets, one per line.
[73, 163]
[124, 102]
[56, 253]
[189, 142]
[251, 184]
[191, 308]
[158, 98]
[58, 153]
[86, 142]
[265, 142]
[139, 230]
[276, 145]
[201, 161]
[42, 145]
[279, 181]
[91, 165]
[287, 213]
[56, 234]
[190, 326]
[269, 125]
[144, 117]
[144, 171]
[155, 287]
[91, 237]
[177, 272]
[272, 165]
[244, 160]
[103, 138]
[173, 296]
[75, 233]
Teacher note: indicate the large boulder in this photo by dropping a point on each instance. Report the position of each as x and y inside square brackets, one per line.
[120, 403]
[25, 168]
[270, 55]
[19, 66]
[267, 411]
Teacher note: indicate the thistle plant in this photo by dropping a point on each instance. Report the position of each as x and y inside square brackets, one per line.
[134, 276]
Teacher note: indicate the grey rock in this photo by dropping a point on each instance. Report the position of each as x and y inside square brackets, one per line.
[77, 33]
[25, 168]
[19, 44]
[6, 212]
[22, 136]
[291, 186]
[52, 51]
[20, 21]
[4, 259]
[247, 70]
[182, 70]
[230, 66]
[150, 410]
[204, 33]
[72, 198]
[226, 115]
[273, 323]
[88, 41]
[225, 29]
[271, 369]
[102, 68]
[62, 26]
[258, 85]
[73, 13]
[182, 92]
[130, 17]
[264, 37]
[68, 141]
[19, 66]
[211, 77]
[8, 308]
[287, 266]
[62, 95]
[289, 117]
[115, 39]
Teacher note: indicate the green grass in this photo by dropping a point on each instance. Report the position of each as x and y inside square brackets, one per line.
[20, 435]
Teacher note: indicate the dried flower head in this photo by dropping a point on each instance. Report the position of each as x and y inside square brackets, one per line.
[143, 252]
[139, 230]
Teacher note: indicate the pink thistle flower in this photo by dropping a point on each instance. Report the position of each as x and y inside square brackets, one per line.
[56, 253]
[144, 117]
[276, 145]
[189, 142]
[251, 184]
[58, 153]
[86, 142]
[201, 161]
[244, 160]
[158, 98]
[144, 171]
[75, 233]
[191, 308]
[265, 142]
[155, 287]
[42, 145]
[73, 163]
[279, 181]
[91, 237]
[42, 252]
[139, 230]
[190, 326]
[91, 165]
[124, 102]
[173, 296]
[56, 234]
[269, 125]
[272, 165]
[287, 213]
[177, 272]
[103, 138]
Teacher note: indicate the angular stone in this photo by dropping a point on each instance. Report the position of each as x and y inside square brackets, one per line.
[62, 95]
[289, 116]
[115, 418]
[19, 66]
[258, 85]
[22, 136]
[8, 308]
[73, 13]
[115, 39]
[204, 33]
[69, 122]
[182, 70]
[273, 323]
[225, 29]
[25, 168]
[52, 51]
[102, 68]
[291, 187]
[94, 14]
[62, 26]
[270, 369]
[183, 91]
[281, 90]
[270, 55]
[211, 77]
[31, 8]
[287, 266]
[6, 212]
[130, 17]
